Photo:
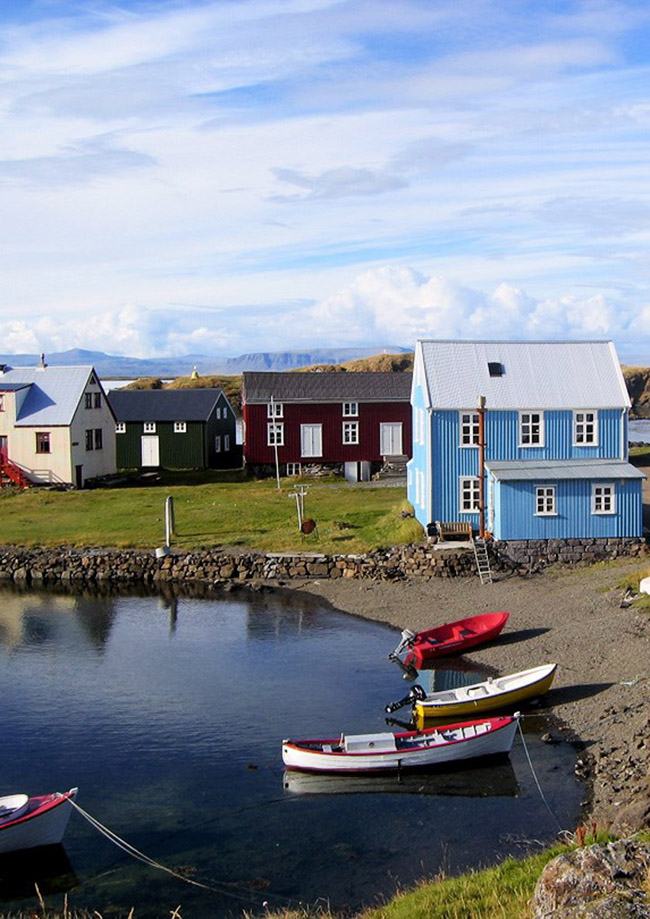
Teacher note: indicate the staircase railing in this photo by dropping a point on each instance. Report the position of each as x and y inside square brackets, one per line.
[15, 474]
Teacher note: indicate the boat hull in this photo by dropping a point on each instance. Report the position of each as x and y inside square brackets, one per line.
[454, 637]
[42, 824]
[486, 696]
[432, 747]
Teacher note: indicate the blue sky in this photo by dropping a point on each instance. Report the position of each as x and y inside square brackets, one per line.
[222, 177]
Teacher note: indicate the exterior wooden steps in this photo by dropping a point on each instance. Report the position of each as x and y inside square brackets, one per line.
[10, 474]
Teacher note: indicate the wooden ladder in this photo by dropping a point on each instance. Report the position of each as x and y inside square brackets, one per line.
[482, 560]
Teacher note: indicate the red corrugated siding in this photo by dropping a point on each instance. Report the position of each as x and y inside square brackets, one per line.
[330, 416]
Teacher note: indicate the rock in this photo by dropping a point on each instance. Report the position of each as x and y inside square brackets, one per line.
[595, 882]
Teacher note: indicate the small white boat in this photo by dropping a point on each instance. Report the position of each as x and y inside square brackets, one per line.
[495, 692]
[26, 823]
[411, 749]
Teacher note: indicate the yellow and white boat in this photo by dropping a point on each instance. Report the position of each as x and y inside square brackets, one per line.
[497, 692]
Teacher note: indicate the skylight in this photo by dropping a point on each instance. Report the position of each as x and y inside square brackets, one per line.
[495, 368]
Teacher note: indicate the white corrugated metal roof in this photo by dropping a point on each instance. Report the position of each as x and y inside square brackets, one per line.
[536, 374]
[537, 470]
[54, 393]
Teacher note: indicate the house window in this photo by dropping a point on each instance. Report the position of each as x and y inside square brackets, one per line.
[97, 399]
[531, 429]
[603, 499]
[217, 443]
[275, 435]
[545, 501]
[585, 429]
[88, 396]
[350, 409]
[149, 427]
[294, 469]
[311, 440]
[468, 429]
[180, 427]
[120, 428]
[470, 489]
[2, 402]
[226, 442]
[42, 441]
[99, 439]
[90, 440]
[350, 432]
[275, 410]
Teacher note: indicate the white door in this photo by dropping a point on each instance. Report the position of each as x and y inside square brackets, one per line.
[390, 438]
[150, 450]
[311, 440]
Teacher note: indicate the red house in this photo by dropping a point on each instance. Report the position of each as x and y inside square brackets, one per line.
[349, 422]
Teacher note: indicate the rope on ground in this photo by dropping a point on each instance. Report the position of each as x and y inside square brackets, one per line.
[152, 863]
[539, 787]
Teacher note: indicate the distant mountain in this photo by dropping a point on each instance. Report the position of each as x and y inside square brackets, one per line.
[109, 365]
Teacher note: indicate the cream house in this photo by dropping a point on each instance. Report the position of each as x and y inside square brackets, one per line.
[56, 424]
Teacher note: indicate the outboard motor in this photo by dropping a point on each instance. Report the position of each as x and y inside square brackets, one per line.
[415, 694]
[406, 641]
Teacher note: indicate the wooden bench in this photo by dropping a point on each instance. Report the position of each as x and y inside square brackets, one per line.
[454, 529]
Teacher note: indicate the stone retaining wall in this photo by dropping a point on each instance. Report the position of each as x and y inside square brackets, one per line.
[132, 566]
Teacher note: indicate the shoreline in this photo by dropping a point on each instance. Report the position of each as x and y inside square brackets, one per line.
[572, 617]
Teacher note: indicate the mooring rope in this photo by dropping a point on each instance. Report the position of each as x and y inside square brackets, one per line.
[534, 774]
[152, 863]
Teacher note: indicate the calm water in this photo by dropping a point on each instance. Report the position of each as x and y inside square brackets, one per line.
[639, 431]
[168, 714]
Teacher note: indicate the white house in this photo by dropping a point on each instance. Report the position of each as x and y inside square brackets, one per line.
[56, 424]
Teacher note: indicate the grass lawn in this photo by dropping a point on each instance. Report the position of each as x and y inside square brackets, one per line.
[248, 514]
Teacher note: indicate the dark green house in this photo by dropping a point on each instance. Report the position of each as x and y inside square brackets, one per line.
[174, 429]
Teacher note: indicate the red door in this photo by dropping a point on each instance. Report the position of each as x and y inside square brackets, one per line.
[4, 446]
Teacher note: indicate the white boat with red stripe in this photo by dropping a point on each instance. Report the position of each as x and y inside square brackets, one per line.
[384, 752]
[27, 822]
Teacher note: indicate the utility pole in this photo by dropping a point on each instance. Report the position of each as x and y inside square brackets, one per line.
[481, 466]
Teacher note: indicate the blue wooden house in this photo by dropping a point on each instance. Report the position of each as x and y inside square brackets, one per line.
[527, 438]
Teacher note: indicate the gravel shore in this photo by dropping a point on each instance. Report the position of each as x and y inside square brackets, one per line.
[601, 692]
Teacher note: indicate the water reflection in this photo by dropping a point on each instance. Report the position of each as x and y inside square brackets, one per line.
[47, 866]
[167, 709]
[488, 779]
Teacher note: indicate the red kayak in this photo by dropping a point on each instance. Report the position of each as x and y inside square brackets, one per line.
[451, 638]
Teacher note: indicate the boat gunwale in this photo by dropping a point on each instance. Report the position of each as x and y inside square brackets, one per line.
[40, 810]
[493, 729]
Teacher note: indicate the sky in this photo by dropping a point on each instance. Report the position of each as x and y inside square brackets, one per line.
[220, 178]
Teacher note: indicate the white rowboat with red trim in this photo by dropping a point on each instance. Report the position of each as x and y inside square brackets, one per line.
[26, 823]
[384, 752]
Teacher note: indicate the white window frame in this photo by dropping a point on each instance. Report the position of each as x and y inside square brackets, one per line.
[350, 432]
[468, 424]
[180, 427]
[120, 427]
[302, 441]
[469, 487]
[217, 443]
[226, 442]
[603, 498]
[294, 469]
[275, 434]
[149, 427]
[275, 410]
[350, 409]
[546, 500]
[581, 424]
[526, 424]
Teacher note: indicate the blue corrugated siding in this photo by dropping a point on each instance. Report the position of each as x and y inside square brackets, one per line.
[419, 473]
[502, 437]
[515, 512]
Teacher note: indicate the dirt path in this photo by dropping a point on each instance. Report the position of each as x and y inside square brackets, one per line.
[601, 693]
